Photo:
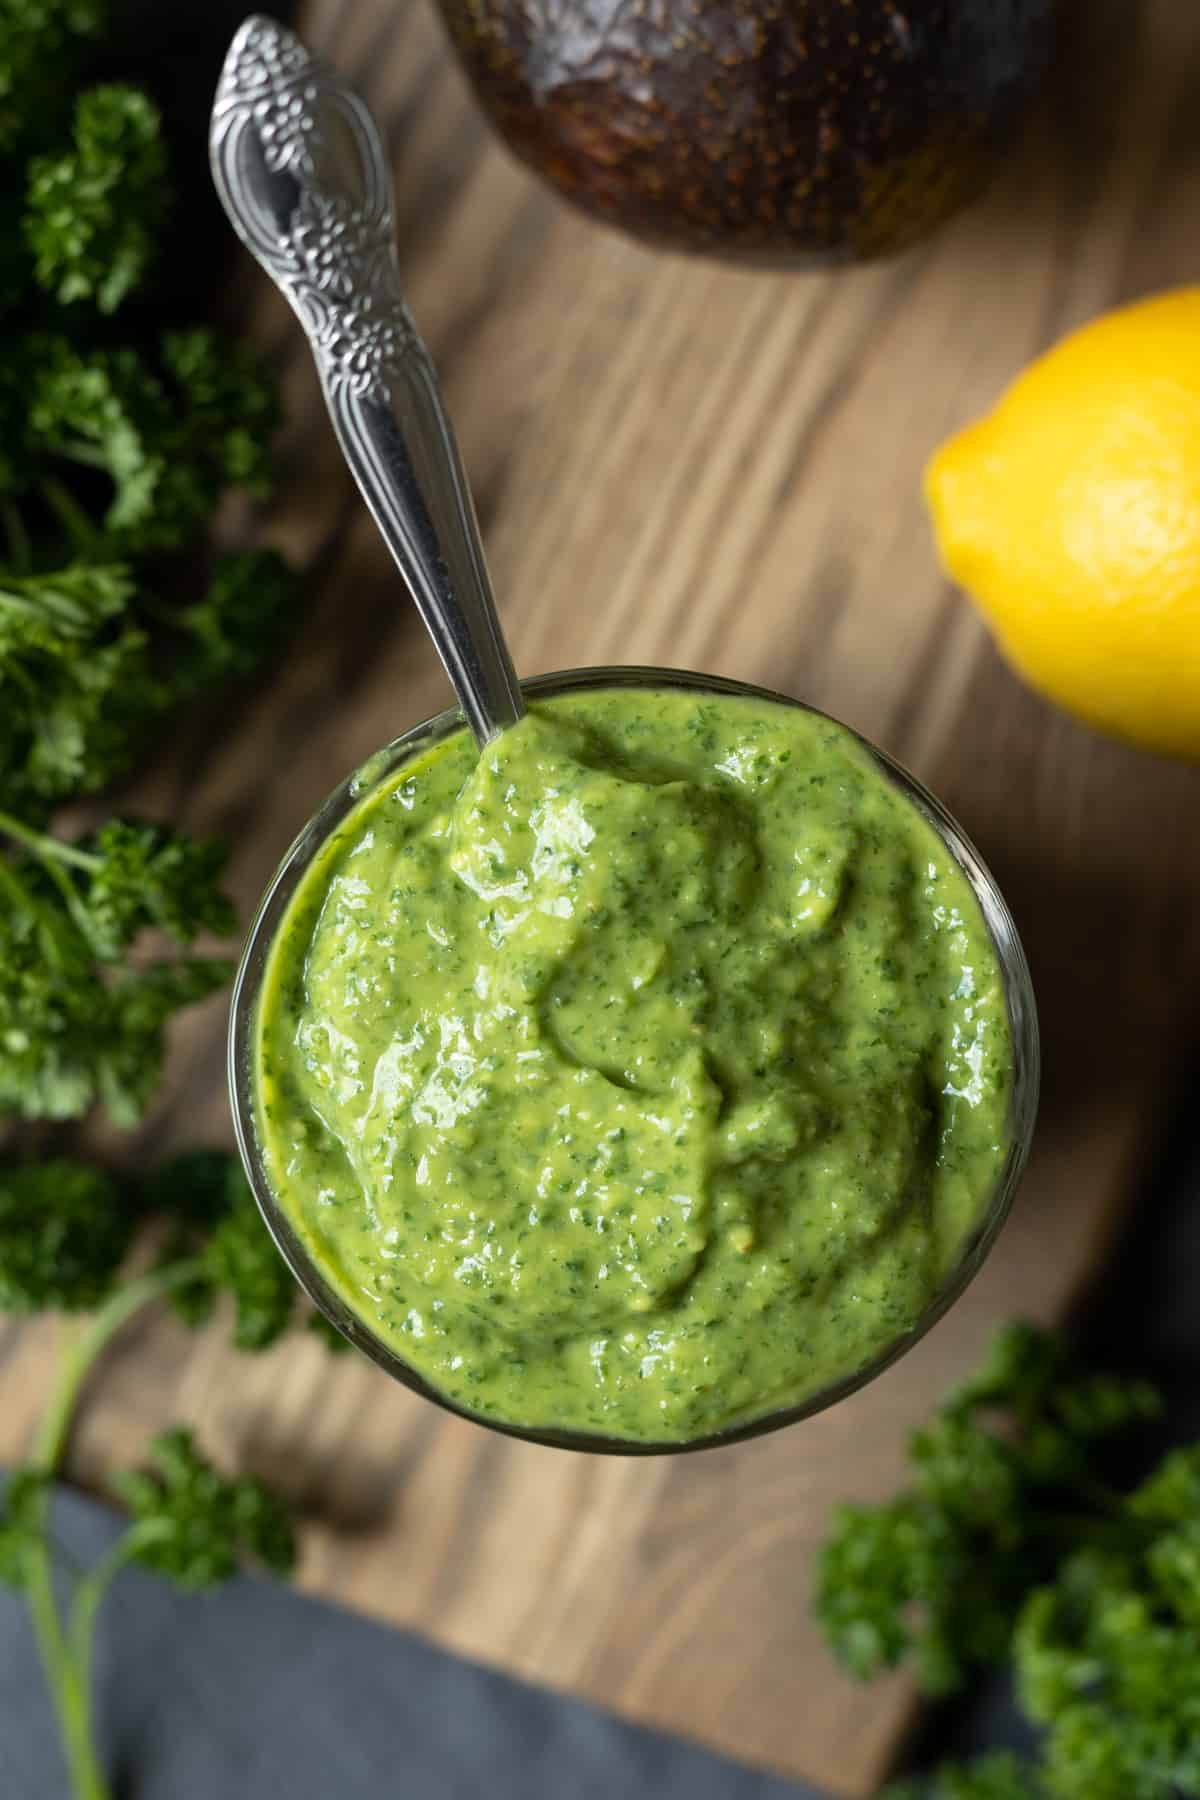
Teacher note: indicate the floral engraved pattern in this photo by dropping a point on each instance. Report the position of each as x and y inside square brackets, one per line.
[332, 246]
[270, 73]
[340, 244]
[361, 347]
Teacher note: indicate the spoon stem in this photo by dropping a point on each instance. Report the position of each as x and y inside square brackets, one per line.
[301, 170]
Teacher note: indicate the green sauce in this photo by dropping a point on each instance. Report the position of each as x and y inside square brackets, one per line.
[644, 1076]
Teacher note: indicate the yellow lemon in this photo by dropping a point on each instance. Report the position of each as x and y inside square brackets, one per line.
[1071, 514]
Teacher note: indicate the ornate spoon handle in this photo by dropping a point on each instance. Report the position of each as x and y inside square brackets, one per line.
[300, 169]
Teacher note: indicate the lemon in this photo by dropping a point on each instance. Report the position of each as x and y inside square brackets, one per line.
[1071, 514]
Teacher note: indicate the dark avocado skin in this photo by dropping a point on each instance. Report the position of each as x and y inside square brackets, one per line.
[774, 131]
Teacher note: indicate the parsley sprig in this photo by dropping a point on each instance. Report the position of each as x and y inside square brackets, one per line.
[1013, 1545]
[118, 442]
[82, 1022]
[66, 1231]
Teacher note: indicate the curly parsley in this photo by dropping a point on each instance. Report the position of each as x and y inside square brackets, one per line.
[121, 433]
[1013, 1546]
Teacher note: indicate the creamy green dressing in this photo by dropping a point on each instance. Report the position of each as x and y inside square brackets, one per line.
[643, 1076]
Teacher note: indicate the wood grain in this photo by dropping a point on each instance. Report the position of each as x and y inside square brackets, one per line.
[678, 463]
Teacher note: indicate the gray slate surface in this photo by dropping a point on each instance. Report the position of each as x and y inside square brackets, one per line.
[252, 1692]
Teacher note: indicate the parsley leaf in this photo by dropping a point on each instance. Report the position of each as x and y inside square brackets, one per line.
[76, 690]
[142, 875]
[71, 1031]
[65, 1228]
[195, 1525]
[93, 212]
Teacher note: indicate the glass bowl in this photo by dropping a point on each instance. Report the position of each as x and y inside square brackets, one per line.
[1022, 1021]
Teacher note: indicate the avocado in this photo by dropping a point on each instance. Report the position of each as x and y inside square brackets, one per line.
[771, 131]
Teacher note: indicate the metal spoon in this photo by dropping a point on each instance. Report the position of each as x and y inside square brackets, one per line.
[300, 168]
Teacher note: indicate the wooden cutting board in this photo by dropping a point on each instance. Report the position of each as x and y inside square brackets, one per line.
[684, 464]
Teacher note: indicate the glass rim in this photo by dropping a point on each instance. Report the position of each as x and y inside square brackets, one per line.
[291, 872]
